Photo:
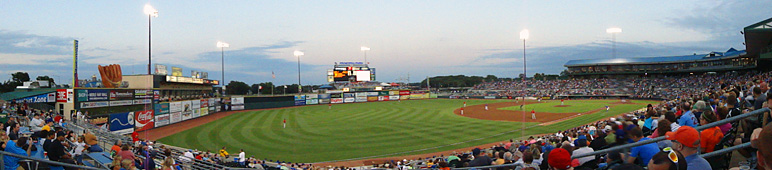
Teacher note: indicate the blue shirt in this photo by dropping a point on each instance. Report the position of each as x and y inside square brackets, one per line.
[10, 161]
[688, 119]
[647, 123]
[644, 152]
[695, 161]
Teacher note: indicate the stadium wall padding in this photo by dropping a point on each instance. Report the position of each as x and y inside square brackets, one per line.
[268, 102]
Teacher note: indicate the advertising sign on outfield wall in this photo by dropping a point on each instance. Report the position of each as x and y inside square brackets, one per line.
[324, 101]
[383, 93]
[324, 96]
[143, 120]
[312, 96]
[374, 93]
[336, 95]
[349, 100]
[162, 120]
[393, 93]
[300, 97]
[121, 123]
[336, 100]
[404, 97]
[394, 97]
[204, 111]
[373, 98]
[187, 111]
[175, 107]
[349, 95]
[196, 108]
[237, 100]
[300, 102]
[381, 98]
[176, 117]
[404, 92]
[312, 101]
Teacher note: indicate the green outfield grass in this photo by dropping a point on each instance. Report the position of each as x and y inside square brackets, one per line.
[361, 130]
[576, 106]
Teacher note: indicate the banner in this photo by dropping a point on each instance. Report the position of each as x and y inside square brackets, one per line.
[187, 113]
[143, 94]
[204, 103]
[175, 107]
[121, 103]
[393, 93]
[143, 120]
[300, 97]
[156, 95]
[162, 108]
[175, 117]
[93, 95]
[312, 101]
[312, 96]
[86, 105]
[381, 98]
[385, 98]
[212, 109]
[204, 111]
[70, 95]
[121, 94]
[241, 107]
[373, 98]
[240, 100]
[162, 120]
[349, 95]
[300, 102]
[336, 100]
[161, 70]
[394, 97]
[336, 95]
[349, 100]
[383, 93]
[142, 101]
[404, 97]
[61, 95]
[404, 92]
[122, 123]
[324, 101]
[196, 108]
[176, 71]
[369, 94]
[324, 96]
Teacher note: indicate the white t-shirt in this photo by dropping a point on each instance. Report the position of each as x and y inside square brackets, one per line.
[36, 124]
[242, 156]
[79, 146]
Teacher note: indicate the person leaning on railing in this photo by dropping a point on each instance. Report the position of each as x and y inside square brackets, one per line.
[16, 147]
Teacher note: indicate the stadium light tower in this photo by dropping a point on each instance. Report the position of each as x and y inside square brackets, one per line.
[150, 12]
[298, 54]
[524, 35]
[222, 47]
[613, 31]
[365, 49]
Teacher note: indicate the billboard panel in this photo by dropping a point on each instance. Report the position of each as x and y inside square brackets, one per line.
[143, 120]
[404, 92]
[385, 98]
[122, 123]
[175, 117]
[336, 95]
[372, 98]
[324, 101]
[300, 97]
[204, 111]
[383, 93]
[196, 108]
[380, 98]
[187, 111]
[393, 93]
[61, 95]
[162, 120]
[300, 102]
[86, 105]
[336, 100]
[122, 103]
[121, 94]
[176, 71]
[175, 107]
[241, 107]
[312, 101]
[238, 100]
[404, 97]
[312, 96]
[362, 75]
[324, 96]
[394, 97]
[349, 100]
[97, 95]
[161, 108]
[373, 93]
[161, 70]
[349, 95]
[143, 94]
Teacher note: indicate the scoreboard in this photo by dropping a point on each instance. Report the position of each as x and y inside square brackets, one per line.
[351, 72]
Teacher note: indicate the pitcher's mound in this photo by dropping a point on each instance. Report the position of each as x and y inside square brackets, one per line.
[562, 106]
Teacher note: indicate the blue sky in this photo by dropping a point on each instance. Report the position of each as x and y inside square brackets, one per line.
[422, 38]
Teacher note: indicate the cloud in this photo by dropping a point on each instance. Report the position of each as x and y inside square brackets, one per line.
[20, 42]
[721, 21]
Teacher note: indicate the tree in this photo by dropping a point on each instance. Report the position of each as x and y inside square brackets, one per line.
[236, 88]
[49, 79]
[20, 77]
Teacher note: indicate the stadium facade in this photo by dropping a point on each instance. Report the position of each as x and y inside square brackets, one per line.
[758, 41]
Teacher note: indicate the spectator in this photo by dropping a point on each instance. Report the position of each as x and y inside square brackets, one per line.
[613, 160]
[116, 164]
[92, 142]
[668, 159]
[57, 151]
[528, 163]
[116, 147]
[587, 161]
[664, 124]
[710, 136]
[687, 141]
[15, 147]
[80, 146]
[125, 153]
[644, 152]
[762, 140]
[242, 157]
[128, 164]
[687, 119]
[223, 152]
[37, 123]
[760, 97]
[559, 159]
[480, 158]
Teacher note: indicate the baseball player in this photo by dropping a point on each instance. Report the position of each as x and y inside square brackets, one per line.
[561, 102]
[533, 114]
[462, 111]
[285, 123]
[464, 104]
[486, 106]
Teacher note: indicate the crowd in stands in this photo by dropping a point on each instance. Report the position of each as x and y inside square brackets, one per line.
[638, 87]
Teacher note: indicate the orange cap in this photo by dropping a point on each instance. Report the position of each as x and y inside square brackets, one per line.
[686, 135]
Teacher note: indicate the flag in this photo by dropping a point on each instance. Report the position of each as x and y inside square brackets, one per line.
[273, 75]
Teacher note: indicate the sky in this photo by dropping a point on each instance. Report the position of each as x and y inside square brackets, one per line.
[418, 38]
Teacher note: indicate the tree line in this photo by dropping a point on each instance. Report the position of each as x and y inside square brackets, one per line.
[469, 81]
[241, 88]
[18, 79]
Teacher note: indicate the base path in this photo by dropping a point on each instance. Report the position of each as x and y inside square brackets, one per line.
[493, 113]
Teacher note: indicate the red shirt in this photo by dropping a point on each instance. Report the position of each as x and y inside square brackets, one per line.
[134, 136]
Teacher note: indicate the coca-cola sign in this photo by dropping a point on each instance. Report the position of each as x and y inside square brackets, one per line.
[144, 120]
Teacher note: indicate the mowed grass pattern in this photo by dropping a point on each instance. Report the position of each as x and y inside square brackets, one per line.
[360, 130]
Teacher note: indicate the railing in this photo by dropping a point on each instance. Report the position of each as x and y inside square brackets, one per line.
[49, 162]
[657, 139]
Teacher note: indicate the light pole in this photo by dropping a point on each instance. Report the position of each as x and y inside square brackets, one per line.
[150, 12]
[524, 34]
[222, 47]
[298, 54]
[365, 49]
[613, 31]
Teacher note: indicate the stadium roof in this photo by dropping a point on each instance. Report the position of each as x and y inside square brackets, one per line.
[758, 38]
[22, 94]
[657, 60]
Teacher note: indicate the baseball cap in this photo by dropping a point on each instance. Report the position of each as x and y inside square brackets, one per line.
[559, 158]
[686, 135]
[60, 133]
